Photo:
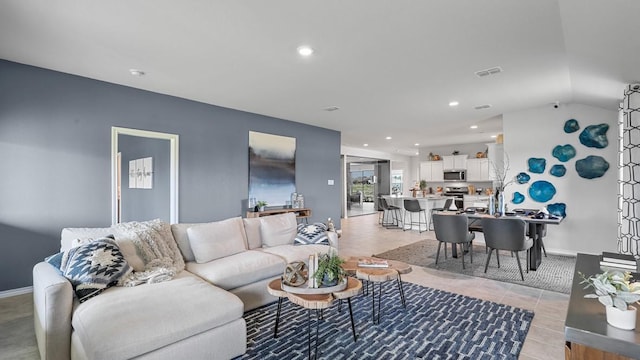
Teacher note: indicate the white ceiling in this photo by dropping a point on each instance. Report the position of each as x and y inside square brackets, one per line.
[391, 66]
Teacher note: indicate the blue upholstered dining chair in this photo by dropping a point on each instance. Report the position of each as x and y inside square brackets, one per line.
[506, 234]
[453, 229]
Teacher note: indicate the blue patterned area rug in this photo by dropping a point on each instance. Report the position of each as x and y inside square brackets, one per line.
[435, 325]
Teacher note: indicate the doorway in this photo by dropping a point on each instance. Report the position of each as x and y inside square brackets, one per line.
[366, 180]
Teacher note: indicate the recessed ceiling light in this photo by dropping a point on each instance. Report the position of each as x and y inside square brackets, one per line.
[365, 145]
[331, 108]
[388, 138]
[494, 136]
[417, 153]
[454, 103]
[473, 127]
[416, 144]
[136, 72]
[305, 50]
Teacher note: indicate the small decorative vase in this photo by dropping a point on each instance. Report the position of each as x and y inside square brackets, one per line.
[326, 282]
[622, 319]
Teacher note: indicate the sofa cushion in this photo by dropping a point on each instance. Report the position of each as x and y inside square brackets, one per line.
[312, 234]
[125, 243]
[217, 239]
[154, 243]
[278, 229]
[252, 229]
[179, 232]
[239, 269]
[125, 322]
[291, 253]
[93, 267]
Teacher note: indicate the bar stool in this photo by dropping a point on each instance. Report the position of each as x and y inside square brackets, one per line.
[389, 210]
[412, 206]
[447, 205]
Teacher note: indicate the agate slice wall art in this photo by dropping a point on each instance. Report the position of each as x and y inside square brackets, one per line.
[564, 153]
[523, 178]
[518, 198]
[592, 167]
[557, 209]
[595, 136]
[571, 126]
[542, 191]
[558, 170]
[537, 165]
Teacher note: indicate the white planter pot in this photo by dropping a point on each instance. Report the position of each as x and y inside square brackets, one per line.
[622, 319]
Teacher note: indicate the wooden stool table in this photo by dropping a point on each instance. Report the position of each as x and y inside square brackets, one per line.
[275, 288]
[378, 275]
[318, 302]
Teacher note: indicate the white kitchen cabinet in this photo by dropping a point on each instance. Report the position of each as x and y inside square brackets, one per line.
[432, 171]
[478, 170]
[454, 162]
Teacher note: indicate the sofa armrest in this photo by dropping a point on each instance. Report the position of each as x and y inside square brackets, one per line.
[52, 308]
[333, 239]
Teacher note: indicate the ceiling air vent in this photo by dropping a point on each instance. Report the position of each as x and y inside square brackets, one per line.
[480, 107]
[487, 72]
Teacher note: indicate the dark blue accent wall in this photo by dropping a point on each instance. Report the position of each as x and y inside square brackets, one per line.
[55, 139]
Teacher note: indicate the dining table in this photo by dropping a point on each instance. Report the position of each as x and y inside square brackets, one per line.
[536, 225]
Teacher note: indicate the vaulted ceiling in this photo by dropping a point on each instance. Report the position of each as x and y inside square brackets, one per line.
[391, 67]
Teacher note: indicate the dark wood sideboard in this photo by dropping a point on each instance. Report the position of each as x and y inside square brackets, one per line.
[587, 334]
[301, 213]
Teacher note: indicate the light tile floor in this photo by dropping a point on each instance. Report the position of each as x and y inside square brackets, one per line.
[362, 236]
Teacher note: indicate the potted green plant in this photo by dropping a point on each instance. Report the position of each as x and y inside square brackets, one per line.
[260, 205]
[615, 290]
[329, 271]
[423, 187]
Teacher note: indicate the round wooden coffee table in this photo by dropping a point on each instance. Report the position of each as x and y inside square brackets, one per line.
[378, 275]
[317, 301]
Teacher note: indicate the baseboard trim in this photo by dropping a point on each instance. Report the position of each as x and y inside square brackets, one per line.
[15, 292]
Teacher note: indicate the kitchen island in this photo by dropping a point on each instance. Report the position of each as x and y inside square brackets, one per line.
[427, 203]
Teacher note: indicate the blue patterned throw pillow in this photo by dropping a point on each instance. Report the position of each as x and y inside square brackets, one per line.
[94, 267]
[312, 234]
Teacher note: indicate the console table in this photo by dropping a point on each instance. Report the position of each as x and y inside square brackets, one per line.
[587, 334]
[301, 213]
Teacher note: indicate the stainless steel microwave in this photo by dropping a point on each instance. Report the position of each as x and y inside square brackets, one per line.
[457, 175]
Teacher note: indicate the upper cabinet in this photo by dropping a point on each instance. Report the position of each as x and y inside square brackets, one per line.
[455, 162]
[478, 170]
[432, 171]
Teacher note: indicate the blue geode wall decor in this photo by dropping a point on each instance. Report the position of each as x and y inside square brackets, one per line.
[564, 153]
[542, 191]
[571, 126]
[523, 178]
[537, 165]
[592, 167]
[557, 209]
[518, 198]
[558, 170]
[595, 136]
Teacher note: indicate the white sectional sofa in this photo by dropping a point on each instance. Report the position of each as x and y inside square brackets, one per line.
[195, 315]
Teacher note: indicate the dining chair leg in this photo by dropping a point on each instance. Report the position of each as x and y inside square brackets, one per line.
[528, 260]
[462, 254]
[498, 257]
[486, 264]
[543, 249]
[438, 252]
[445, 251]
[519, 266]
[471, 250]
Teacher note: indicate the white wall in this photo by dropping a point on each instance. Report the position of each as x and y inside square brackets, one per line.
[591, 223]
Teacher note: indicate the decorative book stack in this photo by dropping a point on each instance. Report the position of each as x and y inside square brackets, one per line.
[622, 262]
[374, 263]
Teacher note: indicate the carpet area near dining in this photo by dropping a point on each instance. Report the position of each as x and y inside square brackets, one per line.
[435, 325]
[554, 274]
